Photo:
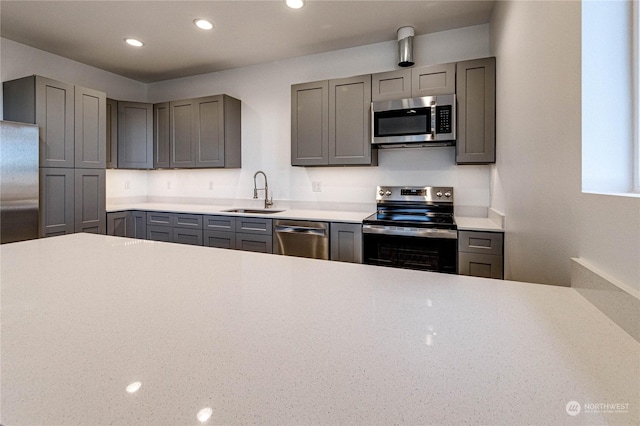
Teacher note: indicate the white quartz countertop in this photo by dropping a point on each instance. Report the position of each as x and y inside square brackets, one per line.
[464, 223]
[264, 339]
[477, 224]
[300, 214]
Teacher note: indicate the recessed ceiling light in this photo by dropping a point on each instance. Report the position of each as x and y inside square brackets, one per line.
[203, 24]
[133, 42]
[295, 4]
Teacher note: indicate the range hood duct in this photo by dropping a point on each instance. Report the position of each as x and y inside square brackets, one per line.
[405, 46]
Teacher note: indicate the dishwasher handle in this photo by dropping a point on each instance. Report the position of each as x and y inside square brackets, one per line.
[307, 230]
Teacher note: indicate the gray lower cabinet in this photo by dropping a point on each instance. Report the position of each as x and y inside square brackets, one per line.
[135, 135]
[476, 96]
[137, 225]
[219, 231]
[90, 200]
[331, 123]
[132, 224]
[254, 234]
[429, 80]
[118, 223]
[72, 200]
[346, 242]
[481, 254]
[174, 228]
[57, 207]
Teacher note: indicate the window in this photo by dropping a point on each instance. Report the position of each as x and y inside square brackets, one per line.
[610, 97]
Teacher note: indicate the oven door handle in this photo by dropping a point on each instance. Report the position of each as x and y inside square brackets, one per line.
[451, 234]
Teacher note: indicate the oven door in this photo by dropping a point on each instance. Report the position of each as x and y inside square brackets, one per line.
[411, 252]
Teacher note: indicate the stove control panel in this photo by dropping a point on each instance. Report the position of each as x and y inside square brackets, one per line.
[437, 194]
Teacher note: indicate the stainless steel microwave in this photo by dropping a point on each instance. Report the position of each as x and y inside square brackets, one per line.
[425, 121]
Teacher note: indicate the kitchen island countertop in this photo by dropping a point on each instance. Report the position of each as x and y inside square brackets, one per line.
[214, 336]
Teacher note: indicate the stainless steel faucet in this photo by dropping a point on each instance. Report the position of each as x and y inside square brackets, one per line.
[267, 202]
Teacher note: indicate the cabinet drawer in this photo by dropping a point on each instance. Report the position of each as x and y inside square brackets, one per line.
[480, 242]
[219, 239]
[160, 233]
[254, 225]
[159, 218]
[220, 223]
[182, 220]
[187, 236]
[255, 242]
[480, 265]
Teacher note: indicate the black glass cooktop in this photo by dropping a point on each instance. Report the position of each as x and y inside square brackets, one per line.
[414, 219]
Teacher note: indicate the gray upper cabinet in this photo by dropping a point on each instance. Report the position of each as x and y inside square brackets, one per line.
[331, 124]
[72, 120]
[90, 190]
[433, 80]
[310, 124]
[476, 95]
[205, 132]
[217, 131]
[161, 136]
[112, 134]
[182, 138]
[90, 128]
[429, 80]
[135, 135]
[387, 86]
[350, 122]
[50, 105]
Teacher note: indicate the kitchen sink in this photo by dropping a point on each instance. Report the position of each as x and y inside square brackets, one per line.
[256, 211]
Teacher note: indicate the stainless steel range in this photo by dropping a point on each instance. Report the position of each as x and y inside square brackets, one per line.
[413, 228]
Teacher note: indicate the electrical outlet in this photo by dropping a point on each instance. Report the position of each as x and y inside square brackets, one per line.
[127, 184]
[210, 185]
[316, 187]
[168, 184]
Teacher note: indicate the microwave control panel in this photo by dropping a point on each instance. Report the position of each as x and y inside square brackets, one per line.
[443, 119]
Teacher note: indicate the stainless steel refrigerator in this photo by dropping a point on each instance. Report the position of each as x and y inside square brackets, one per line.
[19, 186]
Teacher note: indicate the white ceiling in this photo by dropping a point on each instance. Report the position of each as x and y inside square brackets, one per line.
[245, 32]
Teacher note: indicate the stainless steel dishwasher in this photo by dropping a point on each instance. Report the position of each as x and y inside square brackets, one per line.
[301, 238]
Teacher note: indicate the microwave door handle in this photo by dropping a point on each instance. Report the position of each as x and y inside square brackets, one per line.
[433, 120]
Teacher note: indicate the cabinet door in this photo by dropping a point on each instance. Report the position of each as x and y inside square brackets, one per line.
[209, 131]
[476, 93]
[182, 130]
[138, 225]
[346, 242]
[187, 236]
[480, 265]
[56, 201]
[310, 124]
[350, 121]
[55, 117]
[161, 136]
[118, 223]
[387, 86]
[135, 135]
[90, 193]
[160, 233]
[112, 134]
[90, 128]
[433, 80]
[219, 239]
[254, 242]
